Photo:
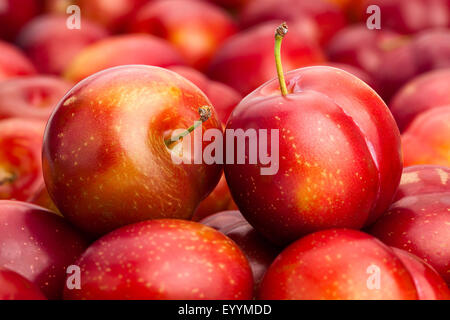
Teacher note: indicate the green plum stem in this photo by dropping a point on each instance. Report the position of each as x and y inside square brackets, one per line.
[279, 35]
[205, 114]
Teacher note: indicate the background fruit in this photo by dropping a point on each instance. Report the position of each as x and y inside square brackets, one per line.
[38, 244]
[409, 16]
[20, 157]
[337, 264]
[419, 225]
[218, 200]
[423, 179]
[325, 14]
[13, 62]
[122, 50]
[430, 90]
[14, 14]
[390, 58]
[15, 287]
[196, 28]
[42, 199]
[164, 259]
[231, 4]
[114, 15]
[429, 284]
[246, 60]
[259, 252]
[51, 45]
[223, 98]
[32, 97]
[427, 139]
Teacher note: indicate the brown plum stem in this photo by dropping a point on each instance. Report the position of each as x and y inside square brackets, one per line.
[281, 31]
[205, 114]
[7, 177]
